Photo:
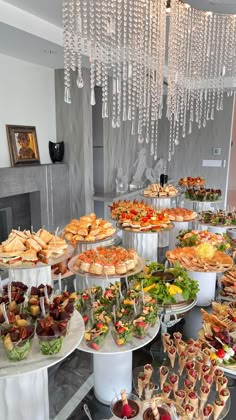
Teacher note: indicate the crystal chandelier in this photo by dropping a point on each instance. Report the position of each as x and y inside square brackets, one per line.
[125, 41]
[201, 55]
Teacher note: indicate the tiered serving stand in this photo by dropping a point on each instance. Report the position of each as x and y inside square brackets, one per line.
[161, 202]
[145, 243]
[112, 365]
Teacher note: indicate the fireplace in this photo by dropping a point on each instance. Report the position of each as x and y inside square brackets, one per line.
[34, 196]
[19, 211]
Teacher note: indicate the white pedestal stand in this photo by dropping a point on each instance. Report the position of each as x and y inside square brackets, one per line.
[213, 229]
[207, 285]
[146, 244]
[178, 226]
[111, 374]
[34, 276]
[25, 396]
[200, 206]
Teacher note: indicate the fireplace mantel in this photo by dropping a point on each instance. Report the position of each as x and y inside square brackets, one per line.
[50, 181]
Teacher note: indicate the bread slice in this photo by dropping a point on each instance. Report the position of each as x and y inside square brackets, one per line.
[32, 244]
[29, 255]
[9, 258]
[22, 236]
[14, 245]
[44, 235]
[39, 241]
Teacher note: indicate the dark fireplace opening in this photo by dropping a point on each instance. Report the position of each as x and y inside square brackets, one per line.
[19, 211]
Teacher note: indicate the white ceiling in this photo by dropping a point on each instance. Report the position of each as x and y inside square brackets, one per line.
[32, 29]
[50, 10]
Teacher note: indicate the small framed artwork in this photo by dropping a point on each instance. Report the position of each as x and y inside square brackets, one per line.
[23, 145]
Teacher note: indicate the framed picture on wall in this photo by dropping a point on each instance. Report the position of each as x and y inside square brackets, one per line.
[23, 145]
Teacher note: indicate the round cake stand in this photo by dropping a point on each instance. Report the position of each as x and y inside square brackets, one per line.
[212, 228]
[207, 286]
[86, 279]
[112, 365]
[82, 246]
[24, 385]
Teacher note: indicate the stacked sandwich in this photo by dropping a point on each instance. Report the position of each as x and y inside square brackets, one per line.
[27, 248]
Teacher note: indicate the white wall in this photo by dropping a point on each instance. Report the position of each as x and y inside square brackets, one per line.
[27, 97]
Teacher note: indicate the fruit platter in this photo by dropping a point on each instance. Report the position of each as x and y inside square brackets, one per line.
[201, 258]
[37, 327]
[203, 194]
[191, 380]
[116, 320]
[189, 181]
[218, 218]
[188, 238]
[104, 262]
[180, 214]
[88, 228]
[158, 191]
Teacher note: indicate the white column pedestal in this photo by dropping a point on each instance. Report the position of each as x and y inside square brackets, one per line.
[146, 244]
[207, 285]
[112, 372]
[25, 396]
[33, 276]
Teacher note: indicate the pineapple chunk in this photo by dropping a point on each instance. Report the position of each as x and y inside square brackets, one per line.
[87, 336]
[34, 310]
[8, 343]
[21, 322]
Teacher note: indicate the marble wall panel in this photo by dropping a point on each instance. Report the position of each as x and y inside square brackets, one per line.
[74, 127]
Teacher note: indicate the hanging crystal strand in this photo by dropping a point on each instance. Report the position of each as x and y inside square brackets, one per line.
[154, 86]
[188, 65]
[198, 54]
[92, 51]
[156, 140]
[216, 64]
[180, 100]
[149, 75]
[99, 43]
[113, 61]
[72, 34]
[145, 65]
[162, 53]
[172, 60]
[192, 74]
[203, 54]
[125, 61]
[66, 41]
[185, 70]
[135, 60]
[80, 82]
[221, 67]
[141, 74]
[105, 37]
[170, 138]
[207, 64]
[118, 54]
[211, 70]
[228, 49]
[85, 27]
[129, 64]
